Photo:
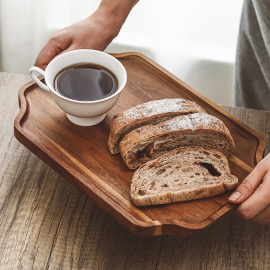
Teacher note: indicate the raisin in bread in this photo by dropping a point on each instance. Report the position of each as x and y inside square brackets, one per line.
[183, 174]
[151, 112]
[151, 141]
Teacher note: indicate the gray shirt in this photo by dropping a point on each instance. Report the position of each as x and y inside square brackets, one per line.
[252, 71]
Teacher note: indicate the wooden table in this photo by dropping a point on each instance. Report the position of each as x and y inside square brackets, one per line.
[45, 223]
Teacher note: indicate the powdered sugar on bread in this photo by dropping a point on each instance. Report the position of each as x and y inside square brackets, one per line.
[151, 112]
[157, 107]
[190, 121]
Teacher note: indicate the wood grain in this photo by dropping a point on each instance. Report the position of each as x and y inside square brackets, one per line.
[78, 153]
[46, 223]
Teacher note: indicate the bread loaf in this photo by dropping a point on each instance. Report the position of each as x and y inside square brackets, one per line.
[151, 112]
[151, 141]
[183, 174]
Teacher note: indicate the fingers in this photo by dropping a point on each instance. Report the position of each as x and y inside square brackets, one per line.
[263, 217]
[251, 182]
[257, 203]
[57, 44]
[90, 33]
[254, 194]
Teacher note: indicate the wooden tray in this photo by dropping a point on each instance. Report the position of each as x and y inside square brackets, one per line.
[81, 156]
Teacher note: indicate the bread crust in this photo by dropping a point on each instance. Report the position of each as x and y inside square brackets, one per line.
[144, 192]
[151, 112]
[151, 141]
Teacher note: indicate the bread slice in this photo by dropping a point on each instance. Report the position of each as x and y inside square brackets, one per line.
[183, 174]
[147, 113]
[151, 141]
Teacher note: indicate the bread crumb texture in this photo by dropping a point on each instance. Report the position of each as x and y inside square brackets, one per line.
[186, 173]
[151, 141]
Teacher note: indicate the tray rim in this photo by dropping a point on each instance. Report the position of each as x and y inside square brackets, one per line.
[150, 227]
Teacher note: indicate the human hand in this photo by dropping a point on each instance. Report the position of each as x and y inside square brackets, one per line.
[94, 32]
[253, 194]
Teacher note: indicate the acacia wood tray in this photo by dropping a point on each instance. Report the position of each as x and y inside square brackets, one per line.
[81, 155]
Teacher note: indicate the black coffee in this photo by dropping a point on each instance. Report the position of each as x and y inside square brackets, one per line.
[85, 82]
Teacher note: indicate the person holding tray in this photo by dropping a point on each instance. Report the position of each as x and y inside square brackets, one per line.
[252, 78]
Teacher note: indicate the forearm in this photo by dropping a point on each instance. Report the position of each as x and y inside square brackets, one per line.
[115, 12]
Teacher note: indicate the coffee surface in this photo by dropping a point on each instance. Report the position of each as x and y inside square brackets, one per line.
[85, 82]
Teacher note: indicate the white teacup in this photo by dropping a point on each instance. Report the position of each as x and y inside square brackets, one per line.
[82, 113]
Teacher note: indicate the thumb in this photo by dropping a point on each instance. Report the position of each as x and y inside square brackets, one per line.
[248, 186]
[56, 45]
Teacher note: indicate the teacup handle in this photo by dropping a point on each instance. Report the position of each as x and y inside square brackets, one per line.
[36, 79]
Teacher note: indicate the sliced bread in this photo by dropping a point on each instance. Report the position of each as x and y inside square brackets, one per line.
[183, 174]
[147, 113]
[151, 141]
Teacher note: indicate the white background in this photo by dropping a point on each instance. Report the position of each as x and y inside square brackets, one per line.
[195, 40]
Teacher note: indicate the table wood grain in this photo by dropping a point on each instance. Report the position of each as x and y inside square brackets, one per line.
[45, 223]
